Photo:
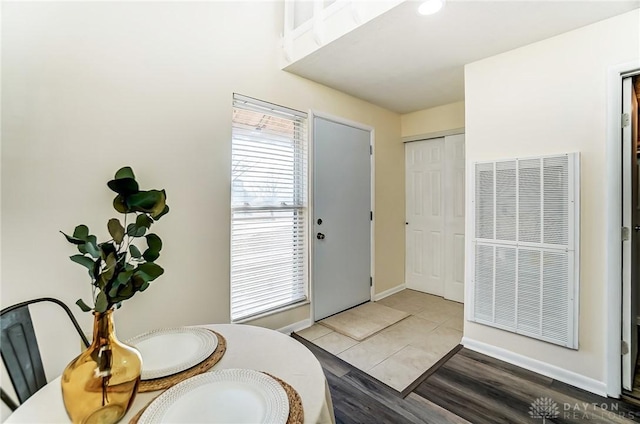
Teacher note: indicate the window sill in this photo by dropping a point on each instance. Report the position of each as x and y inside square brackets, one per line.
[272, 312]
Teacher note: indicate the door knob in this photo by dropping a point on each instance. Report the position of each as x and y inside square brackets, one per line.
[320, 236]
[637, 228]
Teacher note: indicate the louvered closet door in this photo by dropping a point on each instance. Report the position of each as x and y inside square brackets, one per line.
[524, 263]
[425, 239]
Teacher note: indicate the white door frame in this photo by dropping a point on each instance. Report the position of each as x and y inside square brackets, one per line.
[311, 180]
[613, 213]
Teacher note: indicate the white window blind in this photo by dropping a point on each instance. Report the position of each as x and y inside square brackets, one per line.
[524, 255]
[268, 207]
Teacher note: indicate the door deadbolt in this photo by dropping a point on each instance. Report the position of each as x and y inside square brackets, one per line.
[320, 236]
[319, 221]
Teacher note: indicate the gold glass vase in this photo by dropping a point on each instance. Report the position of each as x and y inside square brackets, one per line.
[99, 385]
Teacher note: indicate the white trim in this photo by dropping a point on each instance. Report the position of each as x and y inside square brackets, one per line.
[271, 312]
[613, 214]
[311, 180]
[393, 290]
[557, 373]
[296, 326]
[436, 134]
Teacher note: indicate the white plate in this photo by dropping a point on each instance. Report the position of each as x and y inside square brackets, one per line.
[171, 350]
[223, 396]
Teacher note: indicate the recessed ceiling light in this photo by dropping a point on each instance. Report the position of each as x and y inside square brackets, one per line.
[430, 7]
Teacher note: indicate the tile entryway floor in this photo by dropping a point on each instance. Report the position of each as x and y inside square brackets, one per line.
[402, 352]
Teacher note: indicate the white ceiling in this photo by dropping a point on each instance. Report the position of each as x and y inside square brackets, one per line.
[406, 62]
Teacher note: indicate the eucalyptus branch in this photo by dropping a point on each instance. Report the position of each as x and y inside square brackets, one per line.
[129, 274]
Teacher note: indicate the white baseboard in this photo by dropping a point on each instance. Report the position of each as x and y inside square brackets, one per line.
[296, 326]
[557, 373]
[392, 290]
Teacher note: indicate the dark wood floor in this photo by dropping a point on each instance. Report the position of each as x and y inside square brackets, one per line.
[468, 388]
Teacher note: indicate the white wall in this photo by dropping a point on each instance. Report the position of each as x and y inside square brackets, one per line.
[551, 97]
[88, 87]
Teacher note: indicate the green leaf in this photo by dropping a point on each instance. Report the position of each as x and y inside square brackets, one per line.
[123, 277]
[83, 305]
[138, 281]
[120, 205]
[152, 201]
[124, 186]
[91, 248]
[125, 172]
[143, 220]
[82, 248]
[134, 231]
[95, 273]
[83, 260]
[163, 213]
[107, 248]
[73, 239]
[116, 230]
[102, 303]
[120, 280]
[155, 245]
[150, 270]
[108, 272]
[111, 266]
[81, 232]
[135, 252]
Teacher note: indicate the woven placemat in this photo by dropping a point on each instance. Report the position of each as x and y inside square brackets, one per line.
[296, 412]
[170, 380]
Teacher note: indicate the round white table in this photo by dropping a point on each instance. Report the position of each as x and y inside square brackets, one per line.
[248, 347]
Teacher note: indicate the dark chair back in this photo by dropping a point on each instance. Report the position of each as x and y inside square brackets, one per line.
[19, 348]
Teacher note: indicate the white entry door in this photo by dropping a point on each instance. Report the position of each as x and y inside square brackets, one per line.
[435, 216]
[630, 221]
[342, 217]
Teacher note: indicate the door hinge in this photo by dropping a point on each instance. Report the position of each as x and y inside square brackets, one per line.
[371, 215]
[370, 281]
[625, 120]
[370, 149]
[625, 233]
[624, 347]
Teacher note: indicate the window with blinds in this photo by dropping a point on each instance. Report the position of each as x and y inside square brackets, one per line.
[268, 207]
[524, 258]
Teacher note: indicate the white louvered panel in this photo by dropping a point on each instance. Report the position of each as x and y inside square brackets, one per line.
[484, 201]
[554, 296]
[556, 198]
[483, 300]
[525, 263]
[506, 200]
[529, 289]
[529, 207]
[505, 291]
